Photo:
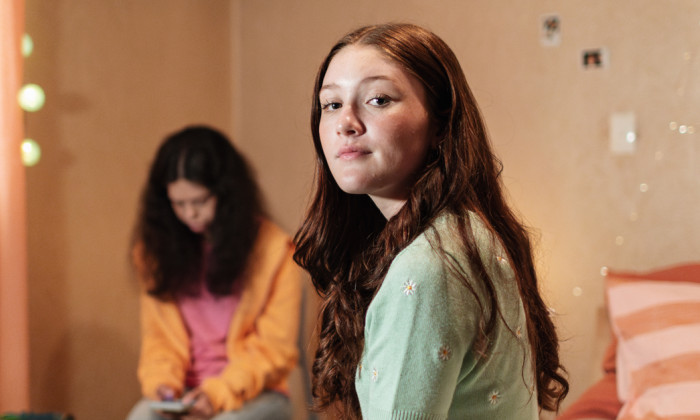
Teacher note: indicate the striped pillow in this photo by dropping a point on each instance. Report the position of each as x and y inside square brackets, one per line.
[656, 320]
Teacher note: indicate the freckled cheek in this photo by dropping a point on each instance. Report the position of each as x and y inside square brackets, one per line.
[325, 132]
[327, 152]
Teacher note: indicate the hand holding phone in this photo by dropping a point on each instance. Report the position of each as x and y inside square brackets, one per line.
[171, 406]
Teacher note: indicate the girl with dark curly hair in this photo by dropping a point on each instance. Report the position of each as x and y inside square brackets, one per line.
[431, 307]
[221, 292]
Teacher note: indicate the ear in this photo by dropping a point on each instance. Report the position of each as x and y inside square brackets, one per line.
[437, 137]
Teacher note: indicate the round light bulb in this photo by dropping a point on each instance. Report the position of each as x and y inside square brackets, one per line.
[31, 97]
[27, 45]
[31, 152]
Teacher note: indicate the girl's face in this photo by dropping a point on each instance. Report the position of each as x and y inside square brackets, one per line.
[193, 204]
[375, 128]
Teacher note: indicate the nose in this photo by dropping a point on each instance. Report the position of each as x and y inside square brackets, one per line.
[190, 211]
[349, 123]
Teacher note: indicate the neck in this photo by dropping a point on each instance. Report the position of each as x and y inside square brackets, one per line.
[388, 206]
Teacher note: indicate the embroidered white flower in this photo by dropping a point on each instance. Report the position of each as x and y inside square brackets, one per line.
[501, 259]
[444, 353]
[519, 332]
[375, 374]
[494, 397]
[409, 288]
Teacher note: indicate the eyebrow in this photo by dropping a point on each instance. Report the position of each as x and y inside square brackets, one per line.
[363, 81]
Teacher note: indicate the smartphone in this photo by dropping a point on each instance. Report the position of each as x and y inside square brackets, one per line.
[171, 406]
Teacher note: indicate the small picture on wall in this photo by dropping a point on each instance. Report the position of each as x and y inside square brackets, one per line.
[550, 30]
[594, 59]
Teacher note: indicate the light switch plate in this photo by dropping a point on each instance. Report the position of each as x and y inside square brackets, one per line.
[623, 133]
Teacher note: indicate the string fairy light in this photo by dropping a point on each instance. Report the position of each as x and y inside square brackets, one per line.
[31, 98]
[678, 127]
[31, 152]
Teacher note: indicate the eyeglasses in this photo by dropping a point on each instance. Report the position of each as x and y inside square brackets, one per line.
[195, 203]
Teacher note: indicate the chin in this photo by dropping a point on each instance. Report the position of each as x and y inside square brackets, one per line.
[197, 229]
[352, 188]
[353, 191]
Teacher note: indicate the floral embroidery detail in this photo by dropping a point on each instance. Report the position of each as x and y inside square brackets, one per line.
[375, 374]
[501, 259]
[519, 332]
[494, 397]
[445, 353]
[409, 288]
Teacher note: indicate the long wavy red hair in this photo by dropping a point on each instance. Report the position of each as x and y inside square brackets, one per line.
[346, 244]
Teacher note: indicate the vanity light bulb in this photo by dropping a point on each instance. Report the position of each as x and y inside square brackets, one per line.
[27, 45]
[31, 152]
[31, 97]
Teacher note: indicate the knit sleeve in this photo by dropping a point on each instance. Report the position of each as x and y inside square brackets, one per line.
[418, 331]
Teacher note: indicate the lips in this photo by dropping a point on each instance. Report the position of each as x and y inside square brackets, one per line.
[351, 152]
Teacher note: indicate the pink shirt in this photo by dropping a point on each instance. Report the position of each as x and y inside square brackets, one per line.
[207, 318]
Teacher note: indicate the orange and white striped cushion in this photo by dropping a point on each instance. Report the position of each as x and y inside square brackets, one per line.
[657, 325]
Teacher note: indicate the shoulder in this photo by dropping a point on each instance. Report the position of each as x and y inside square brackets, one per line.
[272, 251]
[443, 243]
[271, 231]
[488, 245]
[445, 231]
[272, 242]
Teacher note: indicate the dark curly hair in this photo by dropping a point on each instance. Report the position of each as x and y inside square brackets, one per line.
[347, 245]
[171, 255]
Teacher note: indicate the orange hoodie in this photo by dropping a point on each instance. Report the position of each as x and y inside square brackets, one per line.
[262, 338]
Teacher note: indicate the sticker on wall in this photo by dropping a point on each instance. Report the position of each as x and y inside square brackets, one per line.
[595, 59]
[550, 30]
